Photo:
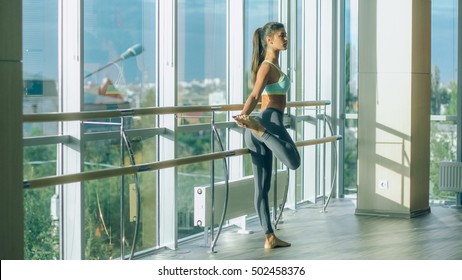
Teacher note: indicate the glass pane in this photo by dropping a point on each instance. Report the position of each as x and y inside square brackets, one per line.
[443, 147]
[119, 54]
[40, 63]
[444, 57]
[201, 52]
[102, 219]
[39, 161]
[351, 56]
[41, 224]
[191, 143]
[40, 95]
[443, 137]
[119, 72]
[201, 81]
[41, 216]
[103, 154]
[350, 158]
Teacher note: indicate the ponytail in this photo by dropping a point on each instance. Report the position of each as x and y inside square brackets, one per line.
[259, 46]
[258, 53]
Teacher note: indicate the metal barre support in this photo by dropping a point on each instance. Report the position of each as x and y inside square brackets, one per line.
[114, 172]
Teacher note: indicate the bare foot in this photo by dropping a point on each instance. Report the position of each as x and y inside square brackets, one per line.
[272, 242]
[251, 123]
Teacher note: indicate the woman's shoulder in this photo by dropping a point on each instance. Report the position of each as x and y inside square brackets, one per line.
[265, 68]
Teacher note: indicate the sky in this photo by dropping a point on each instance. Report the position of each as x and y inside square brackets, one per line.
[110, 29]
[444, 38]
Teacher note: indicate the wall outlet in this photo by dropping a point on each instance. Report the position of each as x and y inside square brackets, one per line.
[383, 184]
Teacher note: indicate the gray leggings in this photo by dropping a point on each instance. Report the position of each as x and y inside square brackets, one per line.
[275, 141]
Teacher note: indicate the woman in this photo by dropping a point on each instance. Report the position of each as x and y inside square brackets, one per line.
[266, 134]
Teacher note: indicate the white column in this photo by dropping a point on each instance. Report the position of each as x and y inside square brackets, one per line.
[71, 90]
[235, 83]
[394, 107]
[167, 96]
[327, 79]
[289, 64]
[11, 200]
[310, 89]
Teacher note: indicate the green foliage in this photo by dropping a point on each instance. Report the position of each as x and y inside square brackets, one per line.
[452, 108]
[102, 219]
[41, 236]
[442, 97]
[350, 159]
[442, 148]
[443, 134]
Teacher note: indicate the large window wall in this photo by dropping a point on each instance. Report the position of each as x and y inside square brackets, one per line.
[145, 54]
[119, 53]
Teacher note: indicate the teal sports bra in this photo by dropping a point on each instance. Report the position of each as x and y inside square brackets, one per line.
[279, 88]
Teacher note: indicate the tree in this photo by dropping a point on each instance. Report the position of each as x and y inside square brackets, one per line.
[443, 134]
[440, 96]
[41, 238]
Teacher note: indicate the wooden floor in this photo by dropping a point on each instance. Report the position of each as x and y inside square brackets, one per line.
[337, 235]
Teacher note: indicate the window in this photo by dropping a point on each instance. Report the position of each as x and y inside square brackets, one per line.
[443, 139]
[351, 98]
[119, 73]
[40, 95]
[201, 81]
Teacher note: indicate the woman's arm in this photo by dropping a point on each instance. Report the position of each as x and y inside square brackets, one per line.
[260, 83]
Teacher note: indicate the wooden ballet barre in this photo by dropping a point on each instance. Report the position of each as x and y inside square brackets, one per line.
[88, 115]
[127, 170]
[318, 141]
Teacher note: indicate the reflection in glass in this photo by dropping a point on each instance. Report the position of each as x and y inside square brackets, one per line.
[119, 54]
[119, 72]
[40, 95]
[201, 81]
[201, 52]
[40, 63]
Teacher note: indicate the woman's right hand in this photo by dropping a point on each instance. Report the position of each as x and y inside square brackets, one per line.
[240, 119]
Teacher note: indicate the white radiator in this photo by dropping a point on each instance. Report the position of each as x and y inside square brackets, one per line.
[240, 201]
[450, 176]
